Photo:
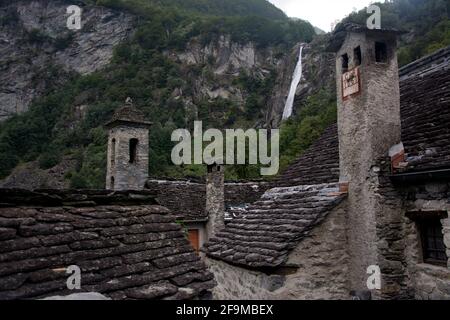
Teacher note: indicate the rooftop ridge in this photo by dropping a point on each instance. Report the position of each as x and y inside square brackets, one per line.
[312, 187]
[440, 58]
[271, 227]
[75, 198]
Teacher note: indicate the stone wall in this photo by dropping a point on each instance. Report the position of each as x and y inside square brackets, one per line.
[390, 234]
[316, 269]
[427, 281]
[188, 199]
[404, 275]
[184, 198]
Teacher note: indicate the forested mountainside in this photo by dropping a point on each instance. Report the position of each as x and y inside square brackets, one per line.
[260, 8]
[179, 61]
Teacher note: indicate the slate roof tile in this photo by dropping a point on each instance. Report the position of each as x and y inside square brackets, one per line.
[128, 251]
[319, 164]
[425, 113]
[263, 235]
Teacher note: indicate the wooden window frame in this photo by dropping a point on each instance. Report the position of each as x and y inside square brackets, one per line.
[424, 222]
[189, 235]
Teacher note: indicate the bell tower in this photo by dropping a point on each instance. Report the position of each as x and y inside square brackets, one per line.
[128, 147]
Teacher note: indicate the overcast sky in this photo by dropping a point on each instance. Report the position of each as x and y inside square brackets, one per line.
[321, 13]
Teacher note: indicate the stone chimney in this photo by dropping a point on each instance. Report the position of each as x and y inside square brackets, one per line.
[128, 147]
[215, 199]
[368, 98]
[368, 106]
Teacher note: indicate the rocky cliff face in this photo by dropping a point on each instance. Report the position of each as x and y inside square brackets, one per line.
[319, 70]
[228, 59]
[318, 73]
[39, 53]
[37, 50]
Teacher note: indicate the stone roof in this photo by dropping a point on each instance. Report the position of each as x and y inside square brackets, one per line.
[263, 235]
[124, 252]
[425, 112]
[436, 61]
[128, 114]
[319, 164]
[354, 27]
[338, 36]
[78, 198]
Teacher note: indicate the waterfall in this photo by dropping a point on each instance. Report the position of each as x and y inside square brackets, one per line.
[295, 81]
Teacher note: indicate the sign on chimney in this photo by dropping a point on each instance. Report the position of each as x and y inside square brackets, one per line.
[351, 83]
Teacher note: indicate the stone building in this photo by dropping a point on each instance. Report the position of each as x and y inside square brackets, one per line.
[127, 164]
[372, 192]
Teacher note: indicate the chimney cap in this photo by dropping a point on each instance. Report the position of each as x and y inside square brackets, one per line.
[339, 34]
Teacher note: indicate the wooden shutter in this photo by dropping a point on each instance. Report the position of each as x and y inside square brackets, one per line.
[194, 239]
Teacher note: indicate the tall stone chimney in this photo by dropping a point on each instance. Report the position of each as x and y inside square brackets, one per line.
[128, 147]
[368, 106]
[215, 198]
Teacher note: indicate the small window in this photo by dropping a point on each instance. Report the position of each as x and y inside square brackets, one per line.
[133, 150]
[112, 183]
[380, 52]
[113, 151]
[344, 59]
[357, 56]
[194, 239]
[432, 238]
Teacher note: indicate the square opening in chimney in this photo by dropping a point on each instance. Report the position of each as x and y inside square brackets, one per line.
[344, 59]
[357, 56]
[381, 52]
